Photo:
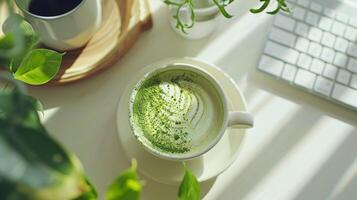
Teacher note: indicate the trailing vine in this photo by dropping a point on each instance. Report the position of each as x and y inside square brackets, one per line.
[221, 4]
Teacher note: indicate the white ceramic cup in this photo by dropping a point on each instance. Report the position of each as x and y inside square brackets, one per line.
[205, 20]
[231, 119]
[67, 31]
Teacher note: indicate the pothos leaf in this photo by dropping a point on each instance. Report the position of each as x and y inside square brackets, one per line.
[126, 187]
[16, 23]
[36, 166]
[6, 43]
[13, 28]
[37, 104]
[15, 107]
[189, 188]
[39, 66]
[91, 194]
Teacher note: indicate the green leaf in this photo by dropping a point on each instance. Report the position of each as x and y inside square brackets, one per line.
[33, 165]
[38, 105]
[16, 22]
[39, 66]
[6, 43]
[189, 188]
[8, 191]
[25, 38]
[15, 31]
[126, 187]
[15, 107]
[91, 194]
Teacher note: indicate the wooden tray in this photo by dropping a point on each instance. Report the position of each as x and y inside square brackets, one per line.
[123, 22]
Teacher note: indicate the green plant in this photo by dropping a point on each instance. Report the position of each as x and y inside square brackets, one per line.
[189, 187]
[19, 55]
[35, 166]
[221, 4]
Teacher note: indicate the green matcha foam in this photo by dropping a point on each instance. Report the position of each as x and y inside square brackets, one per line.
[176, 111]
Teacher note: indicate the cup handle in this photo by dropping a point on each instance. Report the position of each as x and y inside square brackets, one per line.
[237, 119]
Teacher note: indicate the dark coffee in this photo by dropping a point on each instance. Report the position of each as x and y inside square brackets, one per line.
[50, 8]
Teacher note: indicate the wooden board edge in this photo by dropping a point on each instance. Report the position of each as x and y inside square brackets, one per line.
[129, 39]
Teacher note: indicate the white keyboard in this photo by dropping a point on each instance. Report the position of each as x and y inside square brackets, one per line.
[315, 48]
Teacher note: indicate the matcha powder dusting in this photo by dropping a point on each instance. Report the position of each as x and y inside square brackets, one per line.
[166, 110]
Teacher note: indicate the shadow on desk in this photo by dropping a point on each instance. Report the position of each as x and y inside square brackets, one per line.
[329, 170]
[298, 96]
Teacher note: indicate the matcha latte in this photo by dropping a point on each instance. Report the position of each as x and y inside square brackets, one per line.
[176, 111]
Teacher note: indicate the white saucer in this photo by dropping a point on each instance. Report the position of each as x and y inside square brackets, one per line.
[205, 167]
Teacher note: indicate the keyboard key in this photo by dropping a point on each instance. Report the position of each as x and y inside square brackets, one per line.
[316, 7]
[345, 95]
[285, 22]
[338, 28]
[305, 79]
[353, 22]
[342, 17]
[354, 81]
[340, 60]
[329, 13]
[341, 45]
[328, 39]
[282, 52]
[315, 49]
[323, 86]
[302, 29]
[304, 61]
[302, 44]
[289, 73]
[315, 34]
[327, 55]
[304, 3]
[317, 66]
[325, 23]
[283, 37]
[312, 19]
[330, 71]
[351, 34]
[343, 76]
[271, 65]
[352, 49]
[299, 13]
[352, 65]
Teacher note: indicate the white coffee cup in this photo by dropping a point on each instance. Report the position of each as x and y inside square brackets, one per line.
[67, 31]
[231, 119]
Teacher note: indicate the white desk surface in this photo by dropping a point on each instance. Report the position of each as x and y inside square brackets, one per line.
[301, 148]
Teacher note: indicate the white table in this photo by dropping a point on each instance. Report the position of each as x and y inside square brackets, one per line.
[302, 147]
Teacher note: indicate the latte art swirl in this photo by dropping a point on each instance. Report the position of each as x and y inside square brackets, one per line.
[184, 106]
[171, 110]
